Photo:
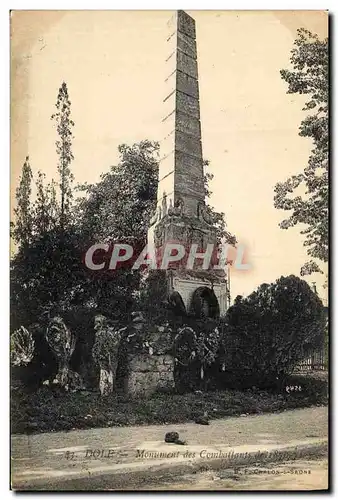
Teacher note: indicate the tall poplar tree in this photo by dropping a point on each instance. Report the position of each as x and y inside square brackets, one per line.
[64, 125]
[22, 228]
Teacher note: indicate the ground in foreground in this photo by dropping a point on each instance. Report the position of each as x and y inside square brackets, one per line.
[298, 475]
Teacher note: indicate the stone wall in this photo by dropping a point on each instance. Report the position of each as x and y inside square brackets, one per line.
[148, 374]
[150, 367]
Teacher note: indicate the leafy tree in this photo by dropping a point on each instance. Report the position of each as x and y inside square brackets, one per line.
[44, 276]
[118, 210]
[269, 332]
[310, 61]
[64, 125]
[22, 229]
[45, 210]
[218, 217]
[120, 205]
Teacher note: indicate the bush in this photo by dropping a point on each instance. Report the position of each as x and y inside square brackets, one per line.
[47, 410]
[267, 332]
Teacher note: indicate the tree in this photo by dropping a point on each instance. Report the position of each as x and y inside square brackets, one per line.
[22, 228]
[64, 125]
[44, 277]
[42, 274]
[45, 209]
[269, 332]
[218, 217]
[118, 209]
[120, 205]
[310, 60]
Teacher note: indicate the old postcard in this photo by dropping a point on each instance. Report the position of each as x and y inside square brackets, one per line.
[169, 250]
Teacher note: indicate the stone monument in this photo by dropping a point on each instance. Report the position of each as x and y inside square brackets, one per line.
[182, 215]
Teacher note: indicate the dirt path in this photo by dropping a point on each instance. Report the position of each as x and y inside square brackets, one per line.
[62, 457]
[297, 475]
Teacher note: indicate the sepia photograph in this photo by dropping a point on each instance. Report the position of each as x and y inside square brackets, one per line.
[169, 248]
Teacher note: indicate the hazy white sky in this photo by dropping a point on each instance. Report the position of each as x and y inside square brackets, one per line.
[114, 66]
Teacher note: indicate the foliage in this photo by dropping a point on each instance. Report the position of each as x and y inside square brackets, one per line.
[217, 217]
[153, 296]
[310, 76]
[208, 346]
[45, 275]
[147, 339]
[64, 125]
[185, 346]
[47, 264]
[268, 331]
[119, 207]
[22, 230]
[45, 410]
[49, 273]
[196, 349]
[106, 344]
[22, 347]
[45, 210]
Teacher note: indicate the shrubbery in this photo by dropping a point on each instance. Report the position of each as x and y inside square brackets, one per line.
[52, 410]
[267, 332]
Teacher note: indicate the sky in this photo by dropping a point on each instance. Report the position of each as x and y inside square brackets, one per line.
[114, 65]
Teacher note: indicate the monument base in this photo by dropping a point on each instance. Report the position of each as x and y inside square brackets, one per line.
[149, 374]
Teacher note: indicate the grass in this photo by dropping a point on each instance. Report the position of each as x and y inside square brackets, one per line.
[47, 410]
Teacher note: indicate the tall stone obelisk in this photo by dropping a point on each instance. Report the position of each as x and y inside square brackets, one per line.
[181, 166]
[182, 215]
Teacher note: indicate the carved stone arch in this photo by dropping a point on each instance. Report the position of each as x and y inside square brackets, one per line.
[204, 303]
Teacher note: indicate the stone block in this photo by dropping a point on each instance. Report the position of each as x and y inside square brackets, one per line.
[168, 360]
[187, 144]
[188, 105]
[187, 64]
[187, 84]
[180, 141]
[181, 122]
[186, 24]
[186, 44]
[166, 381]
[189, 124]
[189, 175]
[144, 384]
[180, 41]
[183, 82]
[142, 363]
[162, 368]
[181, 21]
